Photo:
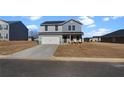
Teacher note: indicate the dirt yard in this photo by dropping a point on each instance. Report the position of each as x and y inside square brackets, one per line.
[94, 50]
[9, 47]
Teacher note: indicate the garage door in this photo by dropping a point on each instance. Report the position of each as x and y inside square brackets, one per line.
[50, 40]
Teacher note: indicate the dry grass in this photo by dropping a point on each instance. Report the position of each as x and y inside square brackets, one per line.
[96, 50]
[9, 47]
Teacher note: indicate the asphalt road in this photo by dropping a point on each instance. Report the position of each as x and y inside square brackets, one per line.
[38, 68]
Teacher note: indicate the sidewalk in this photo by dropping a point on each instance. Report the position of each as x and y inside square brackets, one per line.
[88, 59]
[3, 56]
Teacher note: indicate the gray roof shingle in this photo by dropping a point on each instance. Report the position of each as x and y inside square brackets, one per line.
[118, 33]
[11, 22]
[52, 22]
[57, 22]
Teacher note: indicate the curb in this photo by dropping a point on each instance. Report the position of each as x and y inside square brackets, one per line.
[68, 59]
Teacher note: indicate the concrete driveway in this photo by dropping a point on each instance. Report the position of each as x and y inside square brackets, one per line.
[37, 52]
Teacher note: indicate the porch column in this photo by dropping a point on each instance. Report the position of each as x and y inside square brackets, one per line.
[70, 38]
[81, 38]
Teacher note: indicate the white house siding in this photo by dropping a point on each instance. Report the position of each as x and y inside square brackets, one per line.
[51, 29]
[3, 32]
[71, 23]
[42, 28]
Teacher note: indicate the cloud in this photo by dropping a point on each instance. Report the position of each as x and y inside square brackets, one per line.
[92, 16]
[90, 26]
[99, 32]
[116, 17]
[106, 19]
[111, 18]
[32, 27]
[86, 20]
[33, 18]
[33, 30]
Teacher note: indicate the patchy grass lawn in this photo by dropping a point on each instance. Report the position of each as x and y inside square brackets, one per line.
[9, 47]
[95, 50]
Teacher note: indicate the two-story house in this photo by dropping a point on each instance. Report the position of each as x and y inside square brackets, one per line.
[13, 30]
[59, 32]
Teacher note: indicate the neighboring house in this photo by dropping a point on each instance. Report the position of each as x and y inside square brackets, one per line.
[59, 32]
[114, 37]
[13, 30]
[96, 39]
[87, 39]
[93, 39]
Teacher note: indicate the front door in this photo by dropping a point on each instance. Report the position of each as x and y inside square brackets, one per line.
[65, 39]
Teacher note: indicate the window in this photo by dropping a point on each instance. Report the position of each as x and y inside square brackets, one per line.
[46, 28]
[56, 28]
[6, 36]
[5, 27]
[69, 27]
[73, 27]
[0, 35]
[1, 27]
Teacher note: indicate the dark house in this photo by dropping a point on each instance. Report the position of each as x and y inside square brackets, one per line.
[13, 30]
[114, 37]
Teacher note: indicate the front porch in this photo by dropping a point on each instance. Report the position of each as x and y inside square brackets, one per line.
[70, 39]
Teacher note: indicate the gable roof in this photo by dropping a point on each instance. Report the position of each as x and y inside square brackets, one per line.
[11, 22]
[58, 22]
[52, 23]
[14, 23]
[73, 20]
[118, 33]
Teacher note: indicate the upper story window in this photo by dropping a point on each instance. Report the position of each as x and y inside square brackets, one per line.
[5, 27]
[46, 28]
[56, 28]
[1, 28]
[73, 27]
[69, 27]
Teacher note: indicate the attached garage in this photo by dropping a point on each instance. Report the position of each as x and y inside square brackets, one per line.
[50, 39]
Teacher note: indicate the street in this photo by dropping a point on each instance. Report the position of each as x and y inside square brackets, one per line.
[41, 68]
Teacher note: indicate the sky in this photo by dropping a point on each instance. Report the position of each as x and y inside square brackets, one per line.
[92, 25]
